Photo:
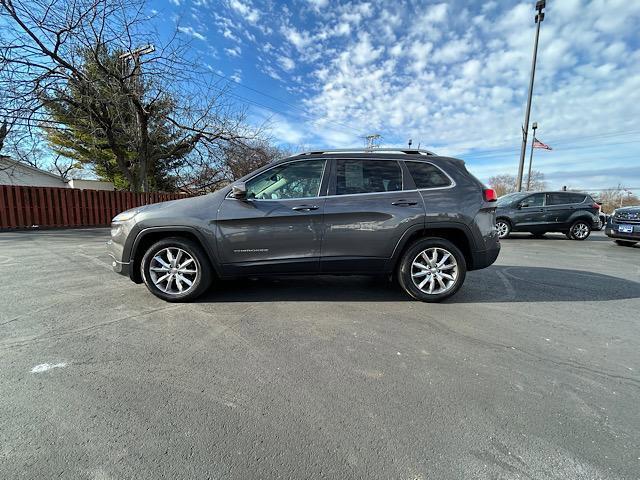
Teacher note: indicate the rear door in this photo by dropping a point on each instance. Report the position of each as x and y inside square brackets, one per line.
[530, 214]
[278, 228]
[365, 214]
[560, 206]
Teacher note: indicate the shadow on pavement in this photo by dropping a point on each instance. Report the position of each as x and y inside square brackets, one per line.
[497, 284]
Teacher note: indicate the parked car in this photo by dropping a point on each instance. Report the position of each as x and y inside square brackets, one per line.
[412, 214]
[574, 214]
[624, 226]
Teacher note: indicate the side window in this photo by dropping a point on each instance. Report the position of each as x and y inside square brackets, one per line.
[556, 198]
[536, 200]
[291, 180]
[575, 198]
[426, 175]
[367, 176]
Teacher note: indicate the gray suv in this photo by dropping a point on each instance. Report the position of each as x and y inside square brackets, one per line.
[408, 213]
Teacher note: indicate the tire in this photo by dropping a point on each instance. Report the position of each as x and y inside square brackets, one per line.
[580, 230]
[157, 264]
[410, 275]
[625, 243]
[503, 226]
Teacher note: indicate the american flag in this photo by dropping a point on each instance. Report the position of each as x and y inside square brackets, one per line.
[538, 144]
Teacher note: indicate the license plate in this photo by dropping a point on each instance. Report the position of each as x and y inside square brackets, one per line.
[625, 228]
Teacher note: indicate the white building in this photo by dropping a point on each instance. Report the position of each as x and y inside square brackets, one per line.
[21, 174]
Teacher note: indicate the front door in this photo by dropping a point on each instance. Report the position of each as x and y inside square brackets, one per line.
[530, 213]
[365, 215]
[278, 228]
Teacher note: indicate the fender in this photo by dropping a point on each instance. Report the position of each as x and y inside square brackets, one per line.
[130, 251]
[402, 242]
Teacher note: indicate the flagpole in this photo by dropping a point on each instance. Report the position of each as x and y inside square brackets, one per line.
[540, 4]
[534, 126]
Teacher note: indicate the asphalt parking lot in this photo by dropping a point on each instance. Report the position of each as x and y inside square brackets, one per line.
[531, 371]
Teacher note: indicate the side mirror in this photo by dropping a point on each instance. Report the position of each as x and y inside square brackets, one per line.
[239, 191]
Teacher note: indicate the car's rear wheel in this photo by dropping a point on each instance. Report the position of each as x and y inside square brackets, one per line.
[580, 230]
[432, 269]
[503, 227]
[176, 270]
[625, 243]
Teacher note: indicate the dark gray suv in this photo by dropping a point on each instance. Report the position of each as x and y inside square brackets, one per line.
[410, 213]
[572, 213]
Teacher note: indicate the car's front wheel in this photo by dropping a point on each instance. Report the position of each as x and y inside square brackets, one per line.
[432, 269]
[580, 230]
[176, 270]
[503, 227]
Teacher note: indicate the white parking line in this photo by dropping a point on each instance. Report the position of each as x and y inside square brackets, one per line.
[43, 367]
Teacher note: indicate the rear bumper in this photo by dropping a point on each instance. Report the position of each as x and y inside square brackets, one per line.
[484, 258]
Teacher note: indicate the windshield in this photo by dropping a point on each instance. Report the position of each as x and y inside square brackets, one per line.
[509, 197]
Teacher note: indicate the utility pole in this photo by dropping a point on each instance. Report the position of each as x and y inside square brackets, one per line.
[135, 56]
[138, 92]
[525, 129]
[534, 126]
[372, 141]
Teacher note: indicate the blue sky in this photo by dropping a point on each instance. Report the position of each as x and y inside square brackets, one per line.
[452, 76]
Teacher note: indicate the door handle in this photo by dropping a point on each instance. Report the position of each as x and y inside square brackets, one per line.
[404, 203]
[305, 208]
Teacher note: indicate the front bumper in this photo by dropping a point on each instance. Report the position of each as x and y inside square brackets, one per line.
[117, 247]
[612, 231]
[115, 252]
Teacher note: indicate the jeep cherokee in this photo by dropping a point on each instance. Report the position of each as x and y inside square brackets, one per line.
[409, 213]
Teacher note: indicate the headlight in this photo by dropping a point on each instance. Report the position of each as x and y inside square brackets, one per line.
[125, 216]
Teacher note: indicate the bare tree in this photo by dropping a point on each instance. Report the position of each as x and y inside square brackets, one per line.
[506, 183]
[49, 48]
[615, 197]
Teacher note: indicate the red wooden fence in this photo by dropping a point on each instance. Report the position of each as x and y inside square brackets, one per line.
[29, 207]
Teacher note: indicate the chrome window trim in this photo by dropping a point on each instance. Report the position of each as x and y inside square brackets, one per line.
[324, 169]
[453, 182]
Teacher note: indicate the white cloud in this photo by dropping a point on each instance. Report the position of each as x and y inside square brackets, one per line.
[437, 13]
[286, 63]
[233, 51]
[237, 76]
[300, 40]
[191, 32]
[318, 4]
[244, 8]
[364, 52]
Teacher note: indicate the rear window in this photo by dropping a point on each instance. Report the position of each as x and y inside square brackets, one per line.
[426, 175]
[367, 176]
[564, 198]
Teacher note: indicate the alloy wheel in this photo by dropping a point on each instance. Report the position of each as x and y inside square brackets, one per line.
[502, 228]
[580, 231]
[173, 270]
[434, 271]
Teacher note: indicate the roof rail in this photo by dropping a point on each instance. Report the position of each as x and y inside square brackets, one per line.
[407, 151]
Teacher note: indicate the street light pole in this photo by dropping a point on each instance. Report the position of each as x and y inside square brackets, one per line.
[525, 129]
[534, 126]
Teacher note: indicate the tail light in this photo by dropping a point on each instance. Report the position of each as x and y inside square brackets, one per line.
[489, 195]
[597, 206]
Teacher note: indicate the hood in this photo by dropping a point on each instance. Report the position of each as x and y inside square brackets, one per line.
[178, 211]
[631, 208]
[627, 213]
